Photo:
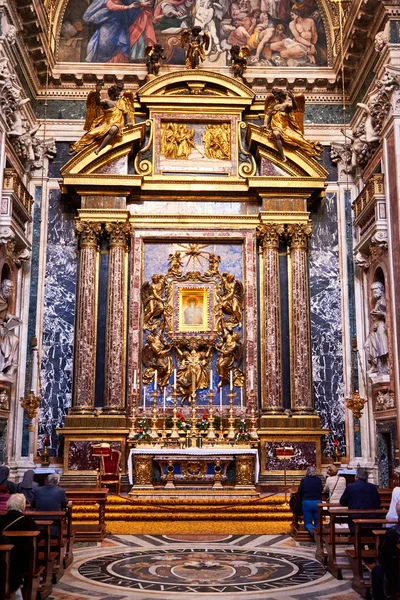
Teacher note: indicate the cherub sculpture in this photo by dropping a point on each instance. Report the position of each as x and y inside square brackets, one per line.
[153, 55]
[105, 119]
[239, 60]
[198, 43]
[284, 122]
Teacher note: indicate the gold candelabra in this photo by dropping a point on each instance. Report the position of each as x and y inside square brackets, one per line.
[154, 419]
[253, 420]
[175, 431]
[193, 429]
[231, 418]
[133, 406]
[31, 403]
[211, 430]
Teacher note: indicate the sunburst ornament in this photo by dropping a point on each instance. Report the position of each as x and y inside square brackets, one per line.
[194, 252]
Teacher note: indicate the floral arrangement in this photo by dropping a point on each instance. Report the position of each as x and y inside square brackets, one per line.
[142, 434]
[181, 423]
[242, 433]
[203, 424]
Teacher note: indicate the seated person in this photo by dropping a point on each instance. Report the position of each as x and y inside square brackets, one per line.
[384, 576]
[27, 485]
[15, 520]
[49, 496]
[360, 494]
[334, 485]
[7, 488]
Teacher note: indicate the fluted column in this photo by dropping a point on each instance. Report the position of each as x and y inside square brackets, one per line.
[301, 398]
[114, 393]
[271, 379]
[85, 351]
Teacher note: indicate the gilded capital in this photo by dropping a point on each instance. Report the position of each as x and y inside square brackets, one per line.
[119, 233]
[298, 234]
[269, 234]
[88, 233]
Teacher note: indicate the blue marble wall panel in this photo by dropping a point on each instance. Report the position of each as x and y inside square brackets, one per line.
[326, 322]
[58, 319]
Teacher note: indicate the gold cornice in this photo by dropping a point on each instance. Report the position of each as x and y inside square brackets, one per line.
[194, 221]
[284, 217]
[102, 215]
[102, 183]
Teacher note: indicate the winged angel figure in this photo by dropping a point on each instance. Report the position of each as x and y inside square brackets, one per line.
[239, 59]
[284, 122]
[105, 119]
[197, 43]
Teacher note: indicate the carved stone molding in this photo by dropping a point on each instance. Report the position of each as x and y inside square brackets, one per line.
[362, 260]
[88, 233]
[16, 256]
[269, 234]
[385, 400]
[298, 234]
[119, 233]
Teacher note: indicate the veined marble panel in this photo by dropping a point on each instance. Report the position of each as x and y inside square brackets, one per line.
[58, 320]
[326, 322]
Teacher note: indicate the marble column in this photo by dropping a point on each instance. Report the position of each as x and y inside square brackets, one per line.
[114, 393]
[269, 234]
[301, 398]
[86, 321]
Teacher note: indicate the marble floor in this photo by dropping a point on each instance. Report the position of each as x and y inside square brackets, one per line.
[192, 567]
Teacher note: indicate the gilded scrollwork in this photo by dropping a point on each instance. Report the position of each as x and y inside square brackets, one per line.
[244, 470]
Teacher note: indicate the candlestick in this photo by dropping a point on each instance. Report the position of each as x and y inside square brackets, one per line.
[155, 381]
[175, 431]
[211, 380]
[154, 430]
[231, 419]
[165, 392]
[144, 398]
[231, 380]
[220, 400]
[241, 398]
[211, 430]
[134, 379]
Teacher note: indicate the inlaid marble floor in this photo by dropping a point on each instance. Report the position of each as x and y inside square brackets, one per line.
[190, 567]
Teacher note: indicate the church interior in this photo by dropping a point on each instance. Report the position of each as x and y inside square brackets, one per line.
[200, 288]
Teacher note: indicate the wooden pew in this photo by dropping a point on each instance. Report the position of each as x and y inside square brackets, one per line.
[5, 550]
[335, 540]
[58, 544]
[323, 529]
[46, 559]
[88, 532]
[360, 556]
[33, 573]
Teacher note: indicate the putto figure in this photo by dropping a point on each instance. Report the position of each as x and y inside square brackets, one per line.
[239, 60]
[284, 122]
[105, 119]
[153, 55]
[198, 43]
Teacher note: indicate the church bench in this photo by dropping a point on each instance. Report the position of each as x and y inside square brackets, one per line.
[322, 529]
[58, 542]
[365, 551]
[34, 572]
[335, 540]
[46, 558]
[5, 550]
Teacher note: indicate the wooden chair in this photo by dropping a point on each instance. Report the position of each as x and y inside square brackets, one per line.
[110, 473]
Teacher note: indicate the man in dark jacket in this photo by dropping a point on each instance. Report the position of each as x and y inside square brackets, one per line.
[361, 494]
[50, 496]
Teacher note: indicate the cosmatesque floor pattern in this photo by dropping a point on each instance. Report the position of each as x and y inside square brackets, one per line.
[192, 567]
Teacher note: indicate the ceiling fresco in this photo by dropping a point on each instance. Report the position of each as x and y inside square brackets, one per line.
[280, 33]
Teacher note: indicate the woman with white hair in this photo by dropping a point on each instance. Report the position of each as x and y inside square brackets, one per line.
[334, 485]
[15, 520]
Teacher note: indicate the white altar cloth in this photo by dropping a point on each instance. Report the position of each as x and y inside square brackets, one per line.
[225, 452]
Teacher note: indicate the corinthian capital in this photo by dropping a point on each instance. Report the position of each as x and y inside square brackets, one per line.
[269, 234]
[88, 233]
[119, 233]
[298, 233]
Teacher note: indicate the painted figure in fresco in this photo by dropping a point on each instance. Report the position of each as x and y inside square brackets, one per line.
[205, 12]
[266, 39]
[153, 302]
[9, 342]
[303, 44]
[153, 56]
[171, 16]
[284, 122]
[229, 351]
[239, 60]
[376, 346]
[105, 119]
[197, 43]
[192, 371]
[232, 299]
[156, 356]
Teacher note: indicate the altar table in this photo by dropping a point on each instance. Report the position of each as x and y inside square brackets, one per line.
[167, 455]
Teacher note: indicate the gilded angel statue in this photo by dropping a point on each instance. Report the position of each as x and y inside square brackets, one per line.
[229, 352]
[239, 59]
[105, 119]
[284, 122]
[153, 302]
[156, 356]
[197, 43]
[192, 371]
[232, 299]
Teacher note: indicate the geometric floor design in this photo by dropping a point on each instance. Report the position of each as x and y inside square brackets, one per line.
[191, 567]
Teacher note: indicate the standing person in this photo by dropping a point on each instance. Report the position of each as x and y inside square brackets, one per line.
[334, 485]
[310, 492]
[361, 494]
[50, 496]
[27, 485]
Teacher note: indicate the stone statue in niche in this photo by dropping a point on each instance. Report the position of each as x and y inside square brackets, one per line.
[376, 345]
[284, 123]
[9, 342]
[105, 119]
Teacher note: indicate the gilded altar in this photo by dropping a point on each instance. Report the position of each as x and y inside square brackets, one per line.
[185, 223]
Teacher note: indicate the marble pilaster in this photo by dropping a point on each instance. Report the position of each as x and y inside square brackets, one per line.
[85, 356]
[114, 394]
[269, 234]
[301, 398]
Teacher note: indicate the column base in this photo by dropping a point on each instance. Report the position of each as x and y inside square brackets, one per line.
[76, 410]
[273, 410]
[303, 410]
[110, 410]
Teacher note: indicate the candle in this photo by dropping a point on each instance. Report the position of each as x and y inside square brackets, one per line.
[155, 381]
[211, 378]
[251, 380]
[241, 398]
[220, 400]
[231, 381]
[165, 392]
[144, 398]
[175, 379]
[134, 379]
